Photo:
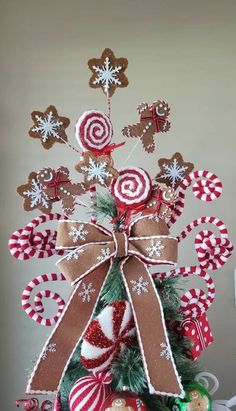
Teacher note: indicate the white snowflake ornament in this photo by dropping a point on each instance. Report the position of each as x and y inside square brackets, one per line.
[155, 249]
[139, 286]
[87, 290]
[78, 233]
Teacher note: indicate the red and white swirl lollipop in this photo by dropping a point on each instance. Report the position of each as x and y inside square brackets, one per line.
[94, 131]
[132, 187]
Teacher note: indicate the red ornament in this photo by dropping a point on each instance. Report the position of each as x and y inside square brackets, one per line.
[89, 393]
[198, 331]
[123, 401]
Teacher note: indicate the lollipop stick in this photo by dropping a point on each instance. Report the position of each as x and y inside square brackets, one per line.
[131, 152]
[108, 105]
[93, 198]
[70, 145]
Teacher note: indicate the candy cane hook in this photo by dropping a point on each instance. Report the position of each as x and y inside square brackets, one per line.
[34, 313]
[208, 188]
[194, 302]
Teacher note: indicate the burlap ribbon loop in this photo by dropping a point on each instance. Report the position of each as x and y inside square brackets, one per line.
[89, 260]
[91, 244]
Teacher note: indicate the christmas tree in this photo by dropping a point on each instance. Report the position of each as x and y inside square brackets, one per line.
[128, 338]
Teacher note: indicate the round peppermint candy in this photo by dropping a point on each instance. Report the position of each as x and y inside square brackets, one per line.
[94, 130]
[132, 186]
[107, 336]
[90, 392]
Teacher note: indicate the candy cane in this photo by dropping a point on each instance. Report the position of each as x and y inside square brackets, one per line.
[207, 189]
[34, 313]
[212, 251]
[26, 243]
[194, 302]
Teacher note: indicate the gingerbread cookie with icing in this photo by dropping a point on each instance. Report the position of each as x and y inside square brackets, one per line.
[34, 196]
[49, 127]
[153, 120]
[57, 186]
[108, 72]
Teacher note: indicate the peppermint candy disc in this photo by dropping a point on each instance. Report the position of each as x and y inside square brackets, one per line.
[94, 130]
[133, 186]
[90, 392]
[107, 336]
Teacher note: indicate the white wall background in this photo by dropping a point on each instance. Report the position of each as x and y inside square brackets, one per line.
[183, 51]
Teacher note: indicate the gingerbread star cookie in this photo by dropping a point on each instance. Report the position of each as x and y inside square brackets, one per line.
[58, 186]
[33, 195]
[96, 169]
[108, 72]
[153, 120]
[49, 127]
[173, 170]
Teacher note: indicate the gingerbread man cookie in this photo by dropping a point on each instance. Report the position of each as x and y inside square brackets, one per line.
[119, 405]
[49, 127]
[58, 186]
[161, 201]
[153, 119]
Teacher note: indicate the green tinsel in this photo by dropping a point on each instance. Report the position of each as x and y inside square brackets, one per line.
[128, 369]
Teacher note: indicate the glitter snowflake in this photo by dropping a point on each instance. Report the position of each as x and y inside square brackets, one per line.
[86, 292]
[105, 253]
[155, 248]
[36, 195]
[107, 75]
[49, 349]
[174, 172]
[75, 254]
[48, 126]
[78, 233]
[96, 171]
[139, 286]
[165, 351]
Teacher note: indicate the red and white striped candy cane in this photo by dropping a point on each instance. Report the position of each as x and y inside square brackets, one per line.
[212, 251]
[194, 302]
[208, 188]
[34, 312]
[26, 243]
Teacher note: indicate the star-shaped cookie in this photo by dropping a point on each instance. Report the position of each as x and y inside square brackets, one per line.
[108, 72]
[49, 127]
[57, 186]
[96, 169]
[173, 170]
[33, 195]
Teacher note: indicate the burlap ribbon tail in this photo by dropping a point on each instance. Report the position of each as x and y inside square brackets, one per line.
[87, 265]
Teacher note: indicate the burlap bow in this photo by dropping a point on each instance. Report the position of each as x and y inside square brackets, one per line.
[86, 266]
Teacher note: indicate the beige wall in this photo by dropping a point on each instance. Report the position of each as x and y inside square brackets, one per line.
[183, 51]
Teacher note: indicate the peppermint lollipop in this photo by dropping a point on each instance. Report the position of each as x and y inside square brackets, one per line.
[94, 131]
[132, 187]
